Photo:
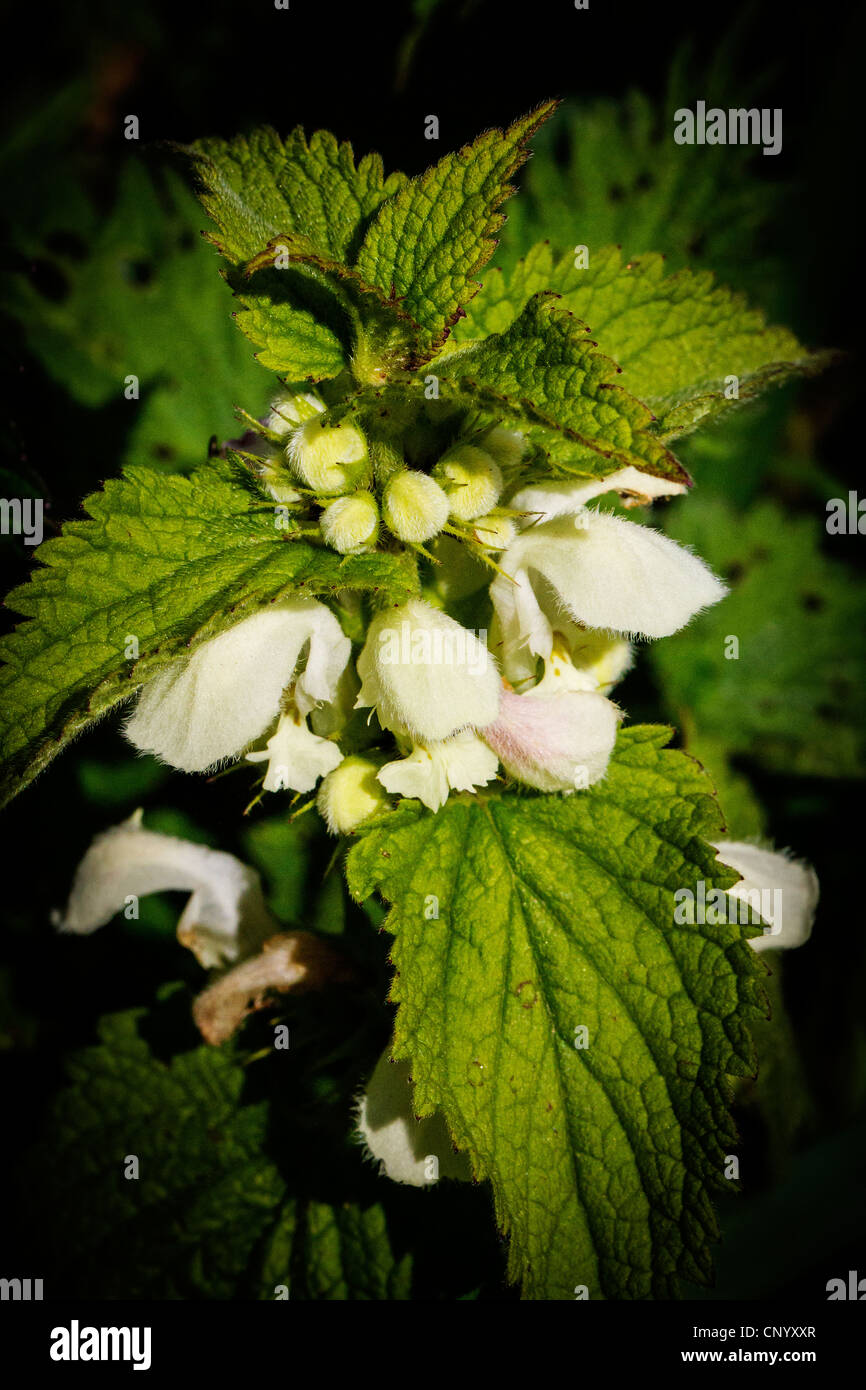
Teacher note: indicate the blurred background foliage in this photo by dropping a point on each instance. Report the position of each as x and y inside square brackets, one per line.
[249, 1178]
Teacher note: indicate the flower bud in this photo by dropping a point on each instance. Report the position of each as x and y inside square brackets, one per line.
[414, 506]
[329, 458]
[278, 483]
[496, 530]
[351, 524]
[506, 447]
[350, 794]
[472, 480]
[289, 411]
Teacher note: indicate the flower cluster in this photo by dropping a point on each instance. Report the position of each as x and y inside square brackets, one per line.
[571, 587]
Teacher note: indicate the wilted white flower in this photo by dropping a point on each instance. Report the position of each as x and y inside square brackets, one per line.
[415, 1152]
[460, 763]
[209, 707]
[426, 674]
[555, 497]
[225, 916]
[769, 876]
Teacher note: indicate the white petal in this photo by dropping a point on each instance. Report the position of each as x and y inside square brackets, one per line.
[790, 892]
[460, 763]
[425, 673]
[544, 501]
[607, 573]
[405, 1146]
[559, 742]
[296, 757]
[211, 706]
[225, 916]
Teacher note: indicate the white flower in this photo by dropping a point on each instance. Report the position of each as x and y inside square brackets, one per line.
[295, 756]
[426, 674]
[544, 501]
[210, 707]
[601, 571]
[416, 1152]
[555, 742]
[782, 890]
[350, 795]
[225, 917]
[460, 763]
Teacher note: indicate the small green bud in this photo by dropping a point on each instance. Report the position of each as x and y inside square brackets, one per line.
[414, 506]
[350, 794]
[278, 483]
[329, 458]
[351, 524]
[472, 480]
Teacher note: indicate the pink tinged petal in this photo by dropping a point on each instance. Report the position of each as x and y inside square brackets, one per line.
[559, 742]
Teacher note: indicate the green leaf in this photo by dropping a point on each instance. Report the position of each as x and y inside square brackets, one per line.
[138, 294]
[259, 189]
[169, 561]
[678, 338]
[429, 241]
[556, 913]
[789, 699]
[258, 186]
[544, 373]
[209, 1214]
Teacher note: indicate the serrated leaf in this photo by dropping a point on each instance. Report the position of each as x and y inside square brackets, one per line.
[138, 294]
[555, 913]
[168, 560]
[678, 338]
[789, 699]
[209, 1214]
[428, 242]
[544, 373]
[254, 187]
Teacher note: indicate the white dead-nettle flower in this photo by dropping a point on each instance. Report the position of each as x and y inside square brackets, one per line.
[461, 763]
[414, 506]
[412, 1151]
[544, 501]
[351, 794]
[556, 741]
[601, 571]
[225, 917]
[426, 674]
[472, 479]
[209, 707]
[351, 524]
[782, 889]
[296, 757]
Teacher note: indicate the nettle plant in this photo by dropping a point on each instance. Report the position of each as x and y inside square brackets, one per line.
[392, 603]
